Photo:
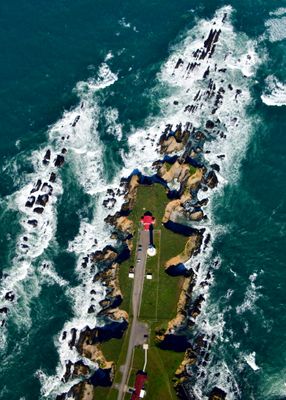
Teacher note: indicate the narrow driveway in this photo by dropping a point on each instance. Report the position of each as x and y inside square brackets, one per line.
[138, 329]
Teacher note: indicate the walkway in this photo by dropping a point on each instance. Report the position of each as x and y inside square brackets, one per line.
[138, 329]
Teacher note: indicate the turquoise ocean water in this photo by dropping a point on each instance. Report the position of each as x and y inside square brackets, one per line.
[106, 58]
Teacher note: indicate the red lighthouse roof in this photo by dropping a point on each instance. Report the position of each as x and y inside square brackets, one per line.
[147, 220]
[141, 377]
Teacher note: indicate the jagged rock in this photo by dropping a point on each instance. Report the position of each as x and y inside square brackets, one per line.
[10, 296]
[117, 314]
[171, 145]
[132, 191]
[217, 394]
[216, 167]
[108, 253]
[47, 156]
[179, 62]
[30, 201]
[52, 177]
[59, 160]
[75, 121]
[211, 179]
[124, 224]
[37, 186]
[38, 210]
[42, 200]
[73, 339]
[196, 215]
[80, 369]
[190, 358]
[105, 303]
[91, 309]
[33, 222]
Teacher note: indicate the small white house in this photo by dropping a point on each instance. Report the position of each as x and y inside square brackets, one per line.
[131, 275]
[149, 275]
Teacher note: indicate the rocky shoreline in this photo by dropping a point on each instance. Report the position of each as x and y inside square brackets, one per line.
[184, 172]
[188, 309]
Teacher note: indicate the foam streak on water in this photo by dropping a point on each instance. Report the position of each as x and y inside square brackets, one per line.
[274, 93]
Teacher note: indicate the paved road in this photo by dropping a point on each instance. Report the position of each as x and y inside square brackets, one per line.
[138, 329]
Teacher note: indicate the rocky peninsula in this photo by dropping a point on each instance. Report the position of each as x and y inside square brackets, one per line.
[185, 177]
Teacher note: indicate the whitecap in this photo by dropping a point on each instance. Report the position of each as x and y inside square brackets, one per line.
[113, 128]
[276, 27]
[279, 11]
[250, 359]
[274, 93]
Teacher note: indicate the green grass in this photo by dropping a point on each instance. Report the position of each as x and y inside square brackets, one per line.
[168, 166]
[160, 295]
[159, 302]
[161, 366]
[149, 304]
[138, 363]
[192, 169]
[153, 198]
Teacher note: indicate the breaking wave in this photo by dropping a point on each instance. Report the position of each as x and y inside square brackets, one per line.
[276, 26]
[274, 93]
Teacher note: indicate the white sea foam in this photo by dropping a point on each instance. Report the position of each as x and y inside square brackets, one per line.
[251, 296]
[49, 274]
[250, 359]
[278, 12]
[276, 27]
[127, 25]
[113, 126]
[21, 280]
[274, 93]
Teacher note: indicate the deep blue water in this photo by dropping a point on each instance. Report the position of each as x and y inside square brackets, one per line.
[47, 48]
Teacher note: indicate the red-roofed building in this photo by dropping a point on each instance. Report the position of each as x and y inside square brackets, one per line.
[141, 378]
[147, 220]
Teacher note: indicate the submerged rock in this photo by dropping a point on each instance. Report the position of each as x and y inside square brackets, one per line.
[38, 210]
[52, 177]
[59, 160]
[217, 394]
[33, 222]
[42, 200]
[30, 202]
[37, 186]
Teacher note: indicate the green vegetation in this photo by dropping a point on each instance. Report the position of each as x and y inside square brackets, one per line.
[138, 363]
[192, 169]
[149, 302]
[160, 295]
[168, 166]
[159, 302]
